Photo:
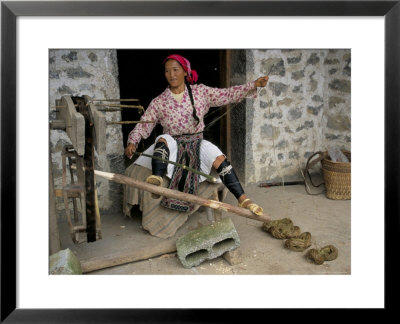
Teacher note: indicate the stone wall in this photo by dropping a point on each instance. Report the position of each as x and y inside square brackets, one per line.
[93, 73]
[305, 108]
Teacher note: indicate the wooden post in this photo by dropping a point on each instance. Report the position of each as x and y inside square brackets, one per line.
[88, 157]
[228, 115]
[217, 213]
[54, 239]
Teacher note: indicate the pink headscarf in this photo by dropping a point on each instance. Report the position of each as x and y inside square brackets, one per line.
[192, 74]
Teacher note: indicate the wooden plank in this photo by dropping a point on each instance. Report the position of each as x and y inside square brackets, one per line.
[65, 195]
[100, 127]
[88, 160]
[78, 187]
[107, 261]
[58, 124]
[74, 123]
[60, 193]
[80, 172]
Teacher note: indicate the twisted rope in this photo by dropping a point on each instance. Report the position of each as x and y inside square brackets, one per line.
[319, 256]
[284, 229]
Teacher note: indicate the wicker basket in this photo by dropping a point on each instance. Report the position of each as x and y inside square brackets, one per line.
[337, 177]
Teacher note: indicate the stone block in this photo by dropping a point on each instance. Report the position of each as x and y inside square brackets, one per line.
[233, 257]
[64, 263]
[207, 242]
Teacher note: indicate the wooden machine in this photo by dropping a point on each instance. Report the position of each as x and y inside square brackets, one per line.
[85, 124]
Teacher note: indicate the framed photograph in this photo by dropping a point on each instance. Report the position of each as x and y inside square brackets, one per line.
[31, 30]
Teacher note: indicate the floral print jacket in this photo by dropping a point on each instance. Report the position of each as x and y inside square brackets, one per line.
[177, 118]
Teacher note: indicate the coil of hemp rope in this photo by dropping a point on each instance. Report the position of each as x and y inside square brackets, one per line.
[299, 243]
[281, 228]
[319, 256]
[284, 229]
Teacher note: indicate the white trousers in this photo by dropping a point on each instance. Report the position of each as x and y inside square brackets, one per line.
[208, 153]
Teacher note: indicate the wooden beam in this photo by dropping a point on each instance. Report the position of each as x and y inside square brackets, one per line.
[58, 124]
[165, 192]
[88, 160]
[132, 255]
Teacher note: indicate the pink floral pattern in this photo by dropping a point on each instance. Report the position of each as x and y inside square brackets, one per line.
[176, 118]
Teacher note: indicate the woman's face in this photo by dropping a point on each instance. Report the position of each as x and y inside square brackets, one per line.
[175, 74]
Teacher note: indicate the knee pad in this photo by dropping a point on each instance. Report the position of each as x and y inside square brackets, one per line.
[158, 167]
[224, 168]
[230, 179]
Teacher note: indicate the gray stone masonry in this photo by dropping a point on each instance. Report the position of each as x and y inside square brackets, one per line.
[207, 242]
[91, 72]
[305, 108]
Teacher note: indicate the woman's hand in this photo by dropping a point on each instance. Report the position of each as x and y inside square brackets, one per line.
[261, 82]
[129, 150]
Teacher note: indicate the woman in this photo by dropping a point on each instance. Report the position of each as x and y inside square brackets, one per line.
[180, 109]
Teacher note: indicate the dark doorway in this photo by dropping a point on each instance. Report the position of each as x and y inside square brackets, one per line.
[141, 76]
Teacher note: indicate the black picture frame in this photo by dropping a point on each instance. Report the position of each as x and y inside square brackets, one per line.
[10, 10]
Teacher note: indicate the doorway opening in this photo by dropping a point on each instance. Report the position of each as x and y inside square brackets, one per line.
[141, 76]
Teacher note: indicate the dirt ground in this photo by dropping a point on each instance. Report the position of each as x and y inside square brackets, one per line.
[327, 220]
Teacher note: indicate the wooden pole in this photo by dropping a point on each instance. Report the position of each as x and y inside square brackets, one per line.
[127, 122]
[120, 106]
[165, 192]
[207, 176]
[104, 105]
[97, 211]
[115, 100]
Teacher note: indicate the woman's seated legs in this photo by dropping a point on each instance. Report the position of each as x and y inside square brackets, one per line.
[231, 181]
[159, 167]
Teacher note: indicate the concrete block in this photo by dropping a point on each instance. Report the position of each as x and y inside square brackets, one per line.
[207, 242]
[233, 257]
[64, 263]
